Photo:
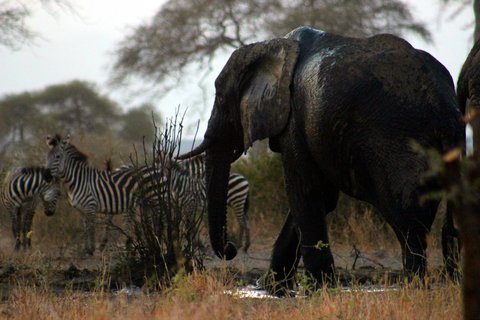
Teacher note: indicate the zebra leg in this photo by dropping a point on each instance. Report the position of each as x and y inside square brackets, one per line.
[89, 229]
[244, 233]
[107, 232]
[16, 227]
[27, 228]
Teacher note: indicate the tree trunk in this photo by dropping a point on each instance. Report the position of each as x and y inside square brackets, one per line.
[463, 187]
[470, 219]
[476, 11]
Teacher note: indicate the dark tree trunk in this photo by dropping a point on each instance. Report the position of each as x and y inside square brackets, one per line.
[469, 216]
[463, 188]
[476, 11]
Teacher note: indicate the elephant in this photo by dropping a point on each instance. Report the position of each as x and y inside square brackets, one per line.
[343, 113]
[468, 92]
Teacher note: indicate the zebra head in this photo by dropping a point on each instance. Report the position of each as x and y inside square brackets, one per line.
[50, 194]
[56, 155]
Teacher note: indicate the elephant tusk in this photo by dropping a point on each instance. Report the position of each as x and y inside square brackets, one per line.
[198, 150]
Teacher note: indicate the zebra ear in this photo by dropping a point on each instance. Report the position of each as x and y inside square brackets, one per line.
[65, 142]
[51, 142]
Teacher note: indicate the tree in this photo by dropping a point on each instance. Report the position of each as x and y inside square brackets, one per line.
[77, 107]
[16, 113]
[138, 123]
[184, 33]
[14, 30]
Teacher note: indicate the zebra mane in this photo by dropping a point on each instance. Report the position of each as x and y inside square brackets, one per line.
[70, 148]
[108, 165]
[55, 140]
[75, 153]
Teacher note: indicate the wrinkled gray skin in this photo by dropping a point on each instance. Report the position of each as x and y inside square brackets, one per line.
[343, 113]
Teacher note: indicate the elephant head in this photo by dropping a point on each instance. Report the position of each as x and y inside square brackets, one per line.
[252, 102]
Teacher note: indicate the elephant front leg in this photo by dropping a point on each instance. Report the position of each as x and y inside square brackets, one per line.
[315, 250]
[285, 257]
[311, 196]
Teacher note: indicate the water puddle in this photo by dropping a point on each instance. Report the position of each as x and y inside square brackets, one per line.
[253, 292]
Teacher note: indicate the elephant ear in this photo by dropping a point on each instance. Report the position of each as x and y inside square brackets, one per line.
[265, 89]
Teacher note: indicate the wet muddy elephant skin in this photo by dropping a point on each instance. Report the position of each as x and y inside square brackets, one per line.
[343, 113]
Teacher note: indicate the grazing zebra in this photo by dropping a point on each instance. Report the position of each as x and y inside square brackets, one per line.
[22, 189]
[237, 197]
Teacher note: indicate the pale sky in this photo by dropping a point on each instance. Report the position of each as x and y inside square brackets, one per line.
[79, 45]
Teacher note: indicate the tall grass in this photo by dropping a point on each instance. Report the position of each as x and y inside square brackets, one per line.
[201, 296]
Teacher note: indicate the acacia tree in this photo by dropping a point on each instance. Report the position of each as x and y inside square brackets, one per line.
[460, 5]
[77, 106]
[16, 112]
[138, 123]
[185, 33]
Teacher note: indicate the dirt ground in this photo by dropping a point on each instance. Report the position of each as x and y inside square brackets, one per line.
[62, 268]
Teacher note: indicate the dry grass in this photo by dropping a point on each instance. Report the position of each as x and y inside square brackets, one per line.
[201, 296]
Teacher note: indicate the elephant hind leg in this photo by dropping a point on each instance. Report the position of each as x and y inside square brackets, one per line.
[413, 240]
[450, 245]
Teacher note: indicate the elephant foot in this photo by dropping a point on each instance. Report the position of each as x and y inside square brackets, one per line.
[451, 254]
[314, 283]
[277, 287]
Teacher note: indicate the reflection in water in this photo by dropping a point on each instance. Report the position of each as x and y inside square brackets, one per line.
[256, 293]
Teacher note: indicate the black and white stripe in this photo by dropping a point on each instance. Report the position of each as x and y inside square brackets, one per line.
[22, 190]
[91, 190]
[237, 197]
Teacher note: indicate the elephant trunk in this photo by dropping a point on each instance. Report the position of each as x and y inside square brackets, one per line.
[217, 167]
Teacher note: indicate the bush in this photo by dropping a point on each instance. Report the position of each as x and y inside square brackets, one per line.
[163, 236]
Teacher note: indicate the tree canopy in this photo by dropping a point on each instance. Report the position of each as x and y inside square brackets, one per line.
[75, 107]
[192, 32]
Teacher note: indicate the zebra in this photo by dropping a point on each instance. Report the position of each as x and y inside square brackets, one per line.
[237, 197]
[91, 190]
[22, 189]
